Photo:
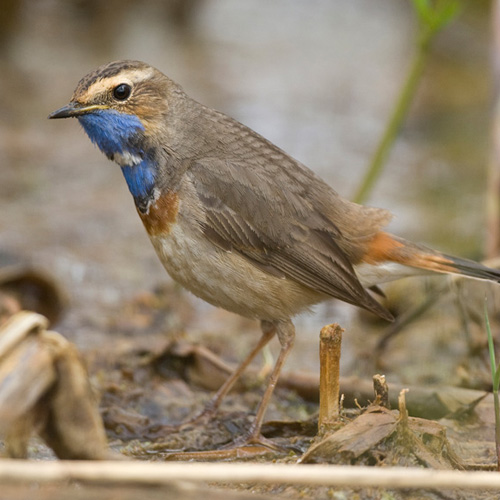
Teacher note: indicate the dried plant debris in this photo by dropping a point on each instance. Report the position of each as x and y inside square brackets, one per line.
[472, 434]
[386, 437]
[44, 388]
[425, 402]
[25, 288]
[381, 390]
[147, 393]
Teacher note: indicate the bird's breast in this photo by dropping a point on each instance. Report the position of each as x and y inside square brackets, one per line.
[161, 214]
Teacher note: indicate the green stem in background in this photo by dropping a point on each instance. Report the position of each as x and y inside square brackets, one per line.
[382, 152]
[495, 378]
[432, 17]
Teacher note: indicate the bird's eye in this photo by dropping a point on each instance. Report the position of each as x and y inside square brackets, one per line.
[122, 91]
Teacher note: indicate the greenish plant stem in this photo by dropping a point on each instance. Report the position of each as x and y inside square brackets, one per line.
[432, 18]
[495, 378]
[402, 104]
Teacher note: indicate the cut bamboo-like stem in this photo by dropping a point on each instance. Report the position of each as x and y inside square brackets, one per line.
[329, 389]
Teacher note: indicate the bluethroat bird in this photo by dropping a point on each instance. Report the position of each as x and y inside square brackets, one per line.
[236, 220]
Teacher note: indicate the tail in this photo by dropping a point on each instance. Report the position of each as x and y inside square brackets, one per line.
[399, 257]
[470, 268]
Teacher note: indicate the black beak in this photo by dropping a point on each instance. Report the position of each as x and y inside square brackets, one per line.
[67, 111]
[75, 109]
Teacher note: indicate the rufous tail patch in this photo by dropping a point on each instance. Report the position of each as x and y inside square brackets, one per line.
[382, 248]
[385, 248]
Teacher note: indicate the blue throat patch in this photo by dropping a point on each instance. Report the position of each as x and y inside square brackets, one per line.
[112, 131]
[119, 133]
[141, 179]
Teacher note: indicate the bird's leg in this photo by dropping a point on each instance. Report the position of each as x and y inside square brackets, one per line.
[286, 336]
[212, 406]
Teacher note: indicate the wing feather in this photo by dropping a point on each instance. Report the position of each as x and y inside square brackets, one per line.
[281, 231]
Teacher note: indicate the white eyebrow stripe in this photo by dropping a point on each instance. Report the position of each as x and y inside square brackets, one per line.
[131, 77]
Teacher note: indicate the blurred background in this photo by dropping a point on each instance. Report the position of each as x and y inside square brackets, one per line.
[318, 78]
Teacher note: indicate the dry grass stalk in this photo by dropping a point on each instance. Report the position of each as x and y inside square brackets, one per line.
[156, 474]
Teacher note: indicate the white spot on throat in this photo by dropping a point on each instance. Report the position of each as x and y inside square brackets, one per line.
[126, 159]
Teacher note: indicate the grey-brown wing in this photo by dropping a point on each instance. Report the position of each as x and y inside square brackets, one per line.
[272, 222]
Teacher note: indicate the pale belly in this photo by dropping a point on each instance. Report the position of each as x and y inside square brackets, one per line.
[228, 280]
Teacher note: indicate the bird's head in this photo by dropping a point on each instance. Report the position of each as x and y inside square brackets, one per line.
[119, 105]
[125, 108]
